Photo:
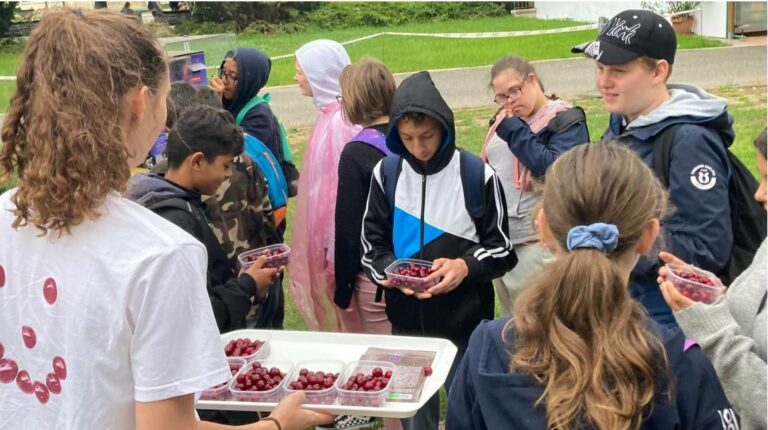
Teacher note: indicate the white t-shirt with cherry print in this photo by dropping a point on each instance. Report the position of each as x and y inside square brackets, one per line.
[90, 322]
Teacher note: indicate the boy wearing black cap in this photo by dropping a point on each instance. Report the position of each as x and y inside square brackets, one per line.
[634, 54]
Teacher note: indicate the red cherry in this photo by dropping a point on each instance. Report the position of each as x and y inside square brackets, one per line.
[41, 392]
[2, 276]
[50, 292]
[8, 370]
[53, 383]
[427, 371]
[29, 336]
[60, 368]
[24, 382]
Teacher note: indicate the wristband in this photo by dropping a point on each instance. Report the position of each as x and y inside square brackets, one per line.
[274, 420]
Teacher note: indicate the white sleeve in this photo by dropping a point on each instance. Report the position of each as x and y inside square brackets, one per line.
[176, 348]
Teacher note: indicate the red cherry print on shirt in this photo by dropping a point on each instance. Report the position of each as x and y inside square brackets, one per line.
[8, 370]
[53, 383]
[2, 350]
[41, 392]
[30, 338]
[24, 383]
[50, 292]
[2, 277]
[60, 368]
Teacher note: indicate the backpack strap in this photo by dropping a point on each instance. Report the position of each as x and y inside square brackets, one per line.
[473, 181]
[180, 204]
[565, 119]
[374, 138]
[391, 166]
[256, 100]
[662, 150]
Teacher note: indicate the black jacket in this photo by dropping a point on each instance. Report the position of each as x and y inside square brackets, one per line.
[430, 221]
[230, 295]
[355, 169]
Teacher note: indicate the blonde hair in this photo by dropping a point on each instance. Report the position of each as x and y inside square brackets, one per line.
[577, 330]
[62, 135]
[367, 88]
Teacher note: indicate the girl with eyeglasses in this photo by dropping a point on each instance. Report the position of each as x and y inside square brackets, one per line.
[528, 133]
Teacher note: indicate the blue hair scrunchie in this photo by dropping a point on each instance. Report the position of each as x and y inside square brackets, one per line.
[600, 236]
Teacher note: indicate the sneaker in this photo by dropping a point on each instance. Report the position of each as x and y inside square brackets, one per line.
[349, 422]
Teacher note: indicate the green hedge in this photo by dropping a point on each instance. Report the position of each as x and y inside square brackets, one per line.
[292, 17]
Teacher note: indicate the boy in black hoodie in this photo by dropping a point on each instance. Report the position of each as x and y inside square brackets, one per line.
[426, 216]
[200, 152]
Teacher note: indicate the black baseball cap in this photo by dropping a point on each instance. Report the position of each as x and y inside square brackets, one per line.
[629, 35]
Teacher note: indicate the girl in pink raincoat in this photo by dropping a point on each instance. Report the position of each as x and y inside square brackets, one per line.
[311, 270]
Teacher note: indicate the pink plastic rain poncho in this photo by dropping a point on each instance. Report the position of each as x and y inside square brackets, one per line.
[311, 269]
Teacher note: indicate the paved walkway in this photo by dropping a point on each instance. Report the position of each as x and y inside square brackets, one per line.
[741, 64]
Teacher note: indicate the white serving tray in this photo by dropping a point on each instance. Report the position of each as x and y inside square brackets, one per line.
[298, 346]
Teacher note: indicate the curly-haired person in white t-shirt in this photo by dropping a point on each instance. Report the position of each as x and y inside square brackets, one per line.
[104, 318]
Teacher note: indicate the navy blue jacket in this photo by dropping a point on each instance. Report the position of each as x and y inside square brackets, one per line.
[253, 68]
[485, 395]
[698, 230]
[538, 151]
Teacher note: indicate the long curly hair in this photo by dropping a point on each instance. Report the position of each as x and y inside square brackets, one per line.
[577, 330]
[62, 135]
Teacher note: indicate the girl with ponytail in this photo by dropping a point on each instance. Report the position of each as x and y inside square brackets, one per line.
[579, 352]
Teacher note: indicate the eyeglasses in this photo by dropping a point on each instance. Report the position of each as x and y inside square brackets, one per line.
[513, 94]
[226, 76]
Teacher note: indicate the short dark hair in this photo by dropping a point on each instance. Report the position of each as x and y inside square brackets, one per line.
[760, 143]
[171, 113]
[203, 129]
[185, 95]
[415, 117]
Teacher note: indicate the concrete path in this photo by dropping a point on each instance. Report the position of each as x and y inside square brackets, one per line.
[468, 87]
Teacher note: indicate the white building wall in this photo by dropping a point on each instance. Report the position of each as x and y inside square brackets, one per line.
[587, 11]
[712, 19]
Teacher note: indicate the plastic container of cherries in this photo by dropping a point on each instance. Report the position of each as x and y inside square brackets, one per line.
[277, 256]
[260, 381]
[317, 378]
[221, 391]
[365, 383]
[696, 284]
[248, 349]
[410, 273]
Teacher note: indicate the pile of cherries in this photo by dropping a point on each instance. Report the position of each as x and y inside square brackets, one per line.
[259, 378]
[313, 381]
[242, 347]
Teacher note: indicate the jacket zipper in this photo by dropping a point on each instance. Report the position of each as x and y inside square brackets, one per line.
[421, 239]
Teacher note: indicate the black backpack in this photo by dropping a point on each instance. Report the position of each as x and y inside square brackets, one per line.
[472, 170]
[748, 217]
